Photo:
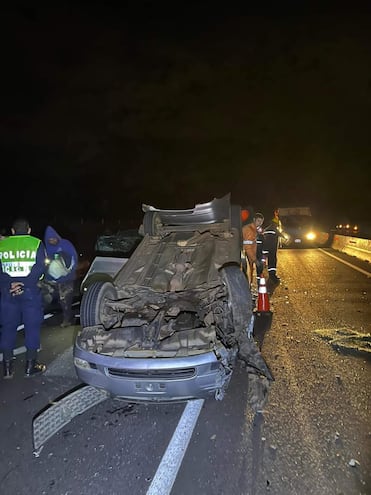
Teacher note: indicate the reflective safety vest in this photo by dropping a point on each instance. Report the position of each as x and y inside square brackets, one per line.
[18, 254]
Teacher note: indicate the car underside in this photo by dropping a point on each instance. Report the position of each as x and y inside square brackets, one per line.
[171, 320]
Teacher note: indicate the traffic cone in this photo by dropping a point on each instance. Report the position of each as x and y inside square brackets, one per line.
[263, 299]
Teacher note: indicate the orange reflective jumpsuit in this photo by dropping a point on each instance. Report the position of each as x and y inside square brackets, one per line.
[249, 243]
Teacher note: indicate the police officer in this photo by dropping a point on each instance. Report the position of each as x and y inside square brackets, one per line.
[22, 264]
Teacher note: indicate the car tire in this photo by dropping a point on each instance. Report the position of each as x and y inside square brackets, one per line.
[151, 223]
[93, 311]
[239, 300]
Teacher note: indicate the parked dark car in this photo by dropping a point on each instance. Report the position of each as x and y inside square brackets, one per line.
[169, 322]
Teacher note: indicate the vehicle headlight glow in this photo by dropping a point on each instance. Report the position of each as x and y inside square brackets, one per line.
[311, 236]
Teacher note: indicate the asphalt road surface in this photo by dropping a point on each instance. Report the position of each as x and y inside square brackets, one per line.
[314, 436]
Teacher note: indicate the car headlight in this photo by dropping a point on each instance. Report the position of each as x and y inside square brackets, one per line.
[81, 363]
[310, 236]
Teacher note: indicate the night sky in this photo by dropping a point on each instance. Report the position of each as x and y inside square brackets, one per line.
[106, 107]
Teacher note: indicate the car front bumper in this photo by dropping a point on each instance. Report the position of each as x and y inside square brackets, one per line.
[154, 379]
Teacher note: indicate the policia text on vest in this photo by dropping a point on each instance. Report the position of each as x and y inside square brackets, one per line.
[18, 255]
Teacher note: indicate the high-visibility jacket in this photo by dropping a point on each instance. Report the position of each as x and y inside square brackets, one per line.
[18, 255]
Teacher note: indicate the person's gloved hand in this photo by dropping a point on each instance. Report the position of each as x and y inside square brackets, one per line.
[16, 288]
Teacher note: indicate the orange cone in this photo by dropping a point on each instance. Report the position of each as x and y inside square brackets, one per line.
[263, 299]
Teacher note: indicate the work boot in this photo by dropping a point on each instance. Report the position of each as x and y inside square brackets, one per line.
[34, 368]
[274, 278]
[8, 369]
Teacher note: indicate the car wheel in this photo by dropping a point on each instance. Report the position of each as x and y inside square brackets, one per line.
[93, 310]
[151, 223]
[239, 300]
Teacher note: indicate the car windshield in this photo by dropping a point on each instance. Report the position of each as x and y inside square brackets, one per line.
[296, 220]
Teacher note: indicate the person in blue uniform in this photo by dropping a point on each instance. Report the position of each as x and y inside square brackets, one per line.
[259, 220]
[3, 235]
[272, 234]
[22, 264]
[61, 271]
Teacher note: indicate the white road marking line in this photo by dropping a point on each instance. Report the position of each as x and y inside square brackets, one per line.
[19, 350]
[172, 459]
[368, 274]
[16, 352]
[77, 304]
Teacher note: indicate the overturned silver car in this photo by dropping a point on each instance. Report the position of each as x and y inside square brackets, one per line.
[169, 322]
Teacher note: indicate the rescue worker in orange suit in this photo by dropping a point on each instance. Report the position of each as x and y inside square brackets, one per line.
[249, 238]
[22, 264]
[272, 234]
